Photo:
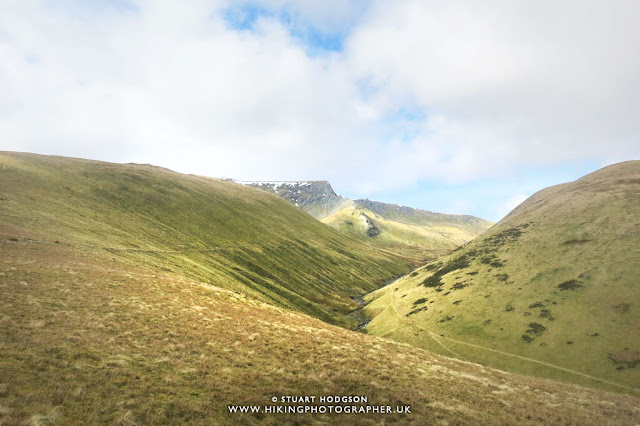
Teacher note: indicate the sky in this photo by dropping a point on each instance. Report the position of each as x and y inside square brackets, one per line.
[461, 106]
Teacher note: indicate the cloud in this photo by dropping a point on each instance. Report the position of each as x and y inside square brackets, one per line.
[374, 96]
[510, 204]
[516, 83]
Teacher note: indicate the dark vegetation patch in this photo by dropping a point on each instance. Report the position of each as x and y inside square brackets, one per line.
[574, 242]
[509, 308]
[459, 286]
[442, 269]
[472, 273]
[622, 307]
[492, 260]
[457, 302]
[527, 338]
[536, 328]
[420, 301]
[546, 313]
[536, 305]
[488, 322]
[628, 181]
[447, 293]
[433, 266]
[625, 358]
[569, 342]
[348, 222]
[570, 285]
[502, 277]
[415, 311]
[447, 318]
[13, 239]
[526, 314]
[508, 235]
[413, 274]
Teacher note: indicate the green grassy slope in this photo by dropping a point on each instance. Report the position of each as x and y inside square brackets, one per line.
[88, 340]
[219, 232]
[411, 216]
[557, 281]
[417, 241]
[417, 236]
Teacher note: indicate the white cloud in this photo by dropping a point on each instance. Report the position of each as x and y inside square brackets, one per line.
[510, 204]
[496, 87]
[516, 83]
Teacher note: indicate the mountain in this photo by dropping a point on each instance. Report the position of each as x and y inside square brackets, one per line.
[418, 236]
[112, 311]
[207, 229]
[314, 197]
[552, 290]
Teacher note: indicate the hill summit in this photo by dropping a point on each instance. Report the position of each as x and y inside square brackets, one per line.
[314, 197]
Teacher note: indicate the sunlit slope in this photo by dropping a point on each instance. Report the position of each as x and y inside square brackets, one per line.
[418, 242]
[219, 232]
[88, 340]
[556, 281]
[418, 236]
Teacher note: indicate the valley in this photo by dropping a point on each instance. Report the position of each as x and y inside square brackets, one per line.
[418, 236]
[132, 294]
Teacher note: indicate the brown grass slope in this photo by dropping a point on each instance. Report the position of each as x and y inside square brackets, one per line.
[86, 340]
[552, 290]
[206, 229]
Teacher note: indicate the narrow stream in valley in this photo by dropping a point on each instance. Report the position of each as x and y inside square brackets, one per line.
[358, 313]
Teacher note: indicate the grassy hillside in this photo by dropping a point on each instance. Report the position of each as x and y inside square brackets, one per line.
[417, 241]
[85, 340]
[552, 290]
[411, 216]
[418, 236]
[205, 229]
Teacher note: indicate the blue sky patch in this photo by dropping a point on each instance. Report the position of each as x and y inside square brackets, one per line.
[243, 17]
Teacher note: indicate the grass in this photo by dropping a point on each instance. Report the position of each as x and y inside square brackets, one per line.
[417, 241]
[113, 311]
[214, 231]
[418, 236]
[86, 340]
[568, 260]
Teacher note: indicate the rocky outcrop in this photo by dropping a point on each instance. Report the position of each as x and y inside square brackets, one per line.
[315, 197]
[370, 227]
[320, 200]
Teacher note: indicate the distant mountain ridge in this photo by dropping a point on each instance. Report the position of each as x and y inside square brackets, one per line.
[411, 215]
[417, 235]
[314, 197]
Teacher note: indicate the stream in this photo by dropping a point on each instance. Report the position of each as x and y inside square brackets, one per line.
[358, 313]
